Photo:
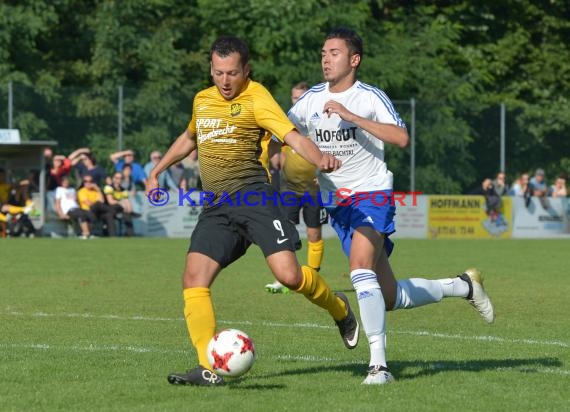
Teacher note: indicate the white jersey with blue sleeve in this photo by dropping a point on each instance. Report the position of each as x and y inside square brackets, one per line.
[362, 155]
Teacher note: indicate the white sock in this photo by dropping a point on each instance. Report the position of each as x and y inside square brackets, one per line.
[372, 313]
[416, 292]
[455, 287]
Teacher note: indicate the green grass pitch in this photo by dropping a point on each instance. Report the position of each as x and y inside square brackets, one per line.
[97, 325]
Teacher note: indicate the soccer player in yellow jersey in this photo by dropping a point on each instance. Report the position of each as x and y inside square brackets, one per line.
[230, 123]
[298, 178]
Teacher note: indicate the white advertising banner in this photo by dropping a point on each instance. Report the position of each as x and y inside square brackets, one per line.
[176, 218]
[540, 217]
[412, 217]
[168, 220]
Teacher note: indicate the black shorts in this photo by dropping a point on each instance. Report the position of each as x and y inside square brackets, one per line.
[224, 232]
[314, 214]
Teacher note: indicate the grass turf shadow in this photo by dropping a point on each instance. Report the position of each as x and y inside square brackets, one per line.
[430, 368]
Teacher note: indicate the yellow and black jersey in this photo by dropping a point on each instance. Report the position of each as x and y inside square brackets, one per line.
[298, 174]
[232, 136]
[117, 194]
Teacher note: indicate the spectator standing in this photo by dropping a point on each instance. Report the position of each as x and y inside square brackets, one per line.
[492, 198]
[48, 156]
[538, 185]
[189, 172]
[61, 166]
[87, 166]
[165, 180]
[48, 162]
[559, 189]
[521, 186]
[127, 157]
[177, 171]
[500, 184]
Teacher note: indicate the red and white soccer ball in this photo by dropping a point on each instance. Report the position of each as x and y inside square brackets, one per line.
[231, 352]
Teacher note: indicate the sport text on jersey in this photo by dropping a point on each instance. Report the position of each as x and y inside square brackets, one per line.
[210, 129]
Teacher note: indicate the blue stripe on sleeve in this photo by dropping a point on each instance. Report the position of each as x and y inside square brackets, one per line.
[385, 101]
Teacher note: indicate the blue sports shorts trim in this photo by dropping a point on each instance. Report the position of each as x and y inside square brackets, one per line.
[364, 213]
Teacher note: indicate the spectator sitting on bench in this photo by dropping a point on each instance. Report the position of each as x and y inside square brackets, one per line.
[118, 198]
[68, 209]
[91, 199]
[14, 214]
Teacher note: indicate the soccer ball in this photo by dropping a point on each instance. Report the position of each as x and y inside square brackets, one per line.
[231, 352]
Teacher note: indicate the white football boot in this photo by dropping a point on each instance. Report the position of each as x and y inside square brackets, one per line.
[276, 287]
[378, 375]
[477, 297]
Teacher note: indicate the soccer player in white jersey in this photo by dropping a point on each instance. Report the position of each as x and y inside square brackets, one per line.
[353, 121]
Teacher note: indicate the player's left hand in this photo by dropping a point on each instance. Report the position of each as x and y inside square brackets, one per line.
[329, 163]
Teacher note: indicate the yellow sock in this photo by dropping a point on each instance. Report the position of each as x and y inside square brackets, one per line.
[315, 253]
[318, 292]
[200, 320]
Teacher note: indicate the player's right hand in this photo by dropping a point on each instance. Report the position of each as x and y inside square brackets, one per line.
[329, 163]
[151, 184]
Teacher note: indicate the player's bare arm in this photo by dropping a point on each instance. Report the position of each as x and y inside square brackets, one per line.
[388, 133]
[310, 152]
[182, 147]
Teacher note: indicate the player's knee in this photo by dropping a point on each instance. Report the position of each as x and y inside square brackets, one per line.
[286, 269]
[290, 278]
[198, 275]
[313, 236]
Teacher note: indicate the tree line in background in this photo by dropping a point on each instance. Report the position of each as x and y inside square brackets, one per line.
[458, 59]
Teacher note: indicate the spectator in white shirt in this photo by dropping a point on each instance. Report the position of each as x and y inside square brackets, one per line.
[67, 208]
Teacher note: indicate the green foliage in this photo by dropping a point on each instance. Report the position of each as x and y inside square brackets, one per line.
[458, 60]
[523, 47]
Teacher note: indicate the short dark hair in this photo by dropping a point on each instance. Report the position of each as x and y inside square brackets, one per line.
[225, 45]
[352, 39]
